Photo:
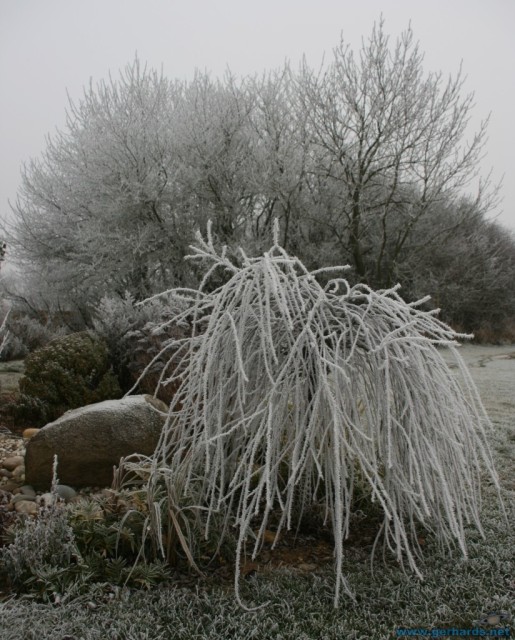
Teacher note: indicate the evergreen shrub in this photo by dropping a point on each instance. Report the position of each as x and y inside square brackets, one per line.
[67, 373]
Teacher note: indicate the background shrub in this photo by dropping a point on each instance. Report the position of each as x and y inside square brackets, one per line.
[69, 372]
[135, 335]
[27, 332]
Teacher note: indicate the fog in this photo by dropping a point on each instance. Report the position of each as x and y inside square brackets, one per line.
[51, 48]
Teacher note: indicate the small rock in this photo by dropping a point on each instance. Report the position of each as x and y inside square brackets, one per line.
[11, 463]
[65, 492]
[46, 500]
[19, 497]
[6, 474]
[28, 433]
[27, 507]
[27, 490]
[19, 473]
[10, 486]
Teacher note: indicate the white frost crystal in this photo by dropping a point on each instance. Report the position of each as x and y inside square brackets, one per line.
[289, 386]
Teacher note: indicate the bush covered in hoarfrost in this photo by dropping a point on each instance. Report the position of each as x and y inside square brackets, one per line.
[135, 334]
[293, 392]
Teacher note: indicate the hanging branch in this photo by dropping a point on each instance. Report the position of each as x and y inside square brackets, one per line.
[336, 385]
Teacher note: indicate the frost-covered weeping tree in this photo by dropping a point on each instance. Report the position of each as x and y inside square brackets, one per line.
[293, 392]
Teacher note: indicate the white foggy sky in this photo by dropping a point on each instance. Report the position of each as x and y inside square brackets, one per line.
[50, 46]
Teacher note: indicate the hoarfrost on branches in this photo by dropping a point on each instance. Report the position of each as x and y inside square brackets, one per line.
[294, 392]
[4, 333]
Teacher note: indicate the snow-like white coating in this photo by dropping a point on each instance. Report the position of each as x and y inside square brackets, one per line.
[293, 391]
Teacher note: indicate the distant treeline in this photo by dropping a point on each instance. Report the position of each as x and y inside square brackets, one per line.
[365, 162]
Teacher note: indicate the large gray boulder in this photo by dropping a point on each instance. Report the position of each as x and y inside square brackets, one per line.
[90, 440]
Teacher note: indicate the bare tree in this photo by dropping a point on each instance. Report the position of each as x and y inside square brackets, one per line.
[355, 161]
[390, 142]
[280, 150]
[213, 143]
[96, 212]
[470, 274]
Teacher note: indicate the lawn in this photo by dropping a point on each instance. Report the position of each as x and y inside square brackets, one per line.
[455, 592]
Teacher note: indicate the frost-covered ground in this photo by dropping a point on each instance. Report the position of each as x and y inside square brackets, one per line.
[493, 371]
[456, 593]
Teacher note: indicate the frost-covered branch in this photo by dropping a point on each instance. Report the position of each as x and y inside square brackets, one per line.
[4, 333]
[294, 393]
